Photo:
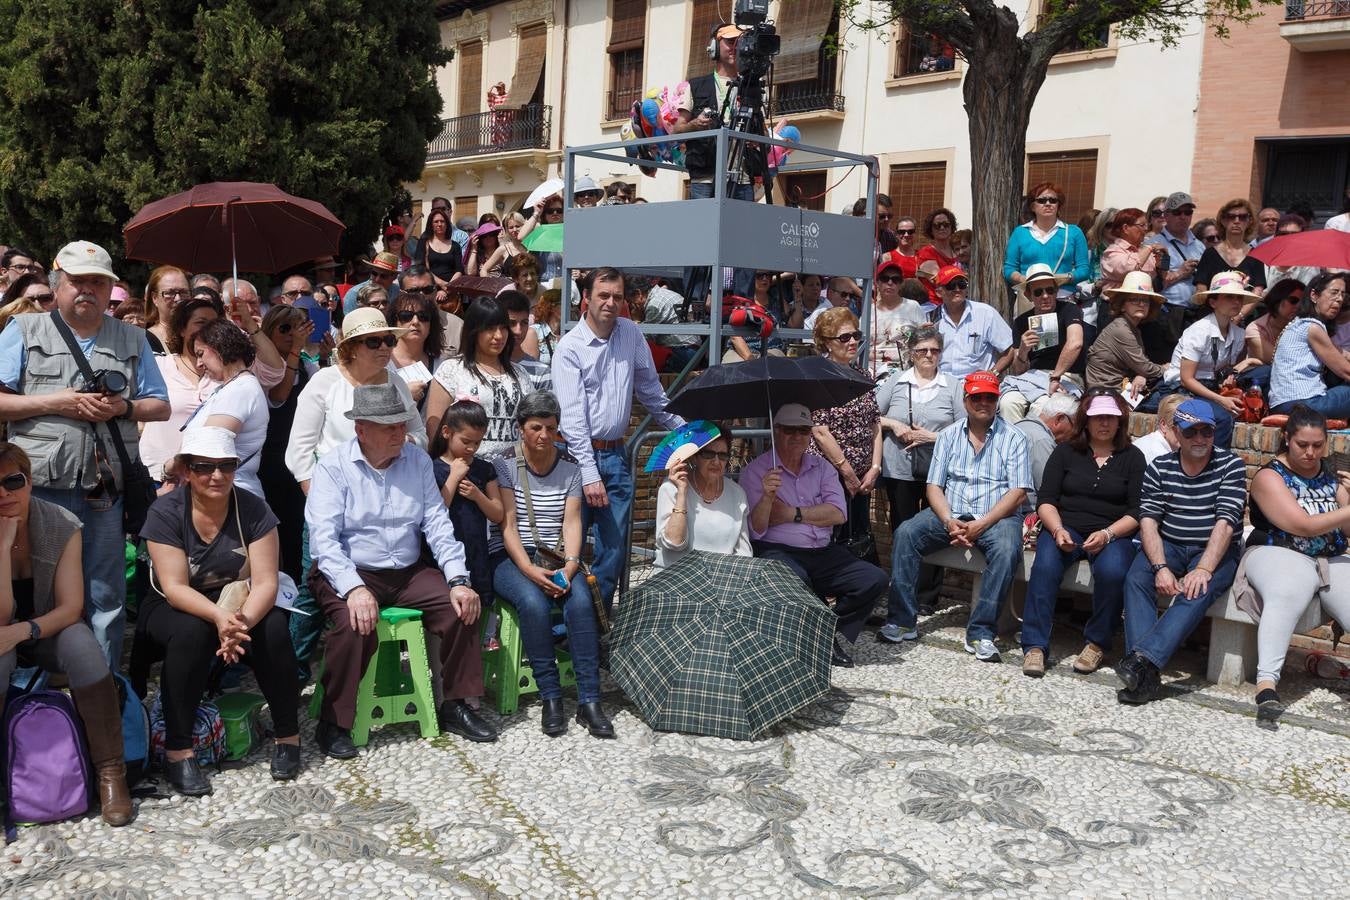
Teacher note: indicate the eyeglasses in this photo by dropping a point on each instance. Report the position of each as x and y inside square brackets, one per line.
[890, 279]
[425, 291]
[207, 467]
[937, 225]
[959, 284]
[41, 299]
[407, 315]
[553, 211]
[885, 217]
[847, 336]
[293, 294]
[1294, 299]
[376, 304]
[759, 275]
[284, 328]
[14, 481]
[925, 351]
[375, 343]
[1047, 200]
[175, 294]
[23, 267]
[719, 455]
[904, 232]
[1185, 212]
[1211, 239]
[1044, 292]
[1155, 213]
[1197, 431]
[797, 430]
[1238, 217]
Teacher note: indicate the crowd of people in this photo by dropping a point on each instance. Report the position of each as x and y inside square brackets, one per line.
[295, 464]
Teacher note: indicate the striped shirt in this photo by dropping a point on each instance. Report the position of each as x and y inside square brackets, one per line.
[549, 493]
[1187, 509]
[1296, 373]
[975, 482]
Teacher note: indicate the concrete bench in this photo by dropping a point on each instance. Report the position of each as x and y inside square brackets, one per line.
[1232, 636]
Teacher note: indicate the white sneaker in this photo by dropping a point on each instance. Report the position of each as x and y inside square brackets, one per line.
[984, 650]
[892, 633]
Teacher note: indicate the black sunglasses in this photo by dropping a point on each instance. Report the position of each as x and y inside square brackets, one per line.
[891, 279]
[714, 454]
[1044, 292]
[959, 284]
[206, 467]
[1212, 239]
[847, 336]
[553, 211]
[284, 328]
[425, 291]
[1047, 200]
[904, 231]
[407, 315]
[375, 343]
[14, 481]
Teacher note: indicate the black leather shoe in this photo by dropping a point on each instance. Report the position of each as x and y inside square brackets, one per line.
[285, 762]
[187, 778]
[1130, 671]
[457, 717]
[335, 742]
[1268, 705]
[592, 715]
[1147, 687]
[841, 657]
[552, 719]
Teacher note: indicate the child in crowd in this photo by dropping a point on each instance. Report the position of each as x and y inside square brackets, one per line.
[469, 486]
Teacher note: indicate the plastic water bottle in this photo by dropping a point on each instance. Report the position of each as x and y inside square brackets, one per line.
[1324, 665]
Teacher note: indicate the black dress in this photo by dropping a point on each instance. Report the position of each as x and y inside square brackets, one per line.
[444, 265]
[280, 489]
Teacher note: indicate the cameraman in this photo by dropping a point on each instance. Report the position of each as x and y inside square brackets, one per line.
[56, 422]
[700, 108]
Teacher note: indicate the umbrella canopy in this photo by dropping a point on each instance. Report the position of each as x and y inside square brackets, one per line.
[543, 192]
[1326, 249]
[722, 645]
[213, 227]
[545, 239]
[480, 285]
[743, 389]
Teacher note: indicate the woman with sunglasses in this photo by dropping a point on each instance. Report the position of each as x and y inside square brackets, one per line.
[395, 242]
[894, 315]
[28, 293]
[713, 517]
[1262, 334]
[1127, 252]
[1237, 220]
[483, 244]
[421, 347]
[363, 357]
[1305, 352]
[213, 593]
[939, 226]
[483, 373]
[1157, 215]
[42, 611]
[848, 436]
[1047, 240]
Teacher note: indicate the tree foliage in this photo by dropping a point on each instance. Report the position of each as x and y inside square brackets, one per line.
[1006, 64]
[108, 104]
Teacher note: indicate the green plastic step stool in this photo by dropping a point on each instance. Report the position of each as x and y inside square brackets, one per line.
[239, 715]
[387, 690]
[506, 672]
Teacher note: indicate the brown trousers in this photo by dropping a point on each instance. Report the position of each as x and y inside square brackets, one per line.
[417, 587]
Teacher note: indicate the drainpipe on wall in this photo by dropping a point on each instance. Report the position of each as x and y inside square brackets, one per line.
[562, 94]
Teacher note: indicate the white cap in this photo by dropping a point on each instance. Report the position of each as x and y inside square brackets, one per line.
[84, 258]
[209, 442]
[791, 414]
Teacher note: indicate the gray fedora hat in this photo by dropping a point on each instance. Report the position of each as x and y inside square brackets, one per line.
[379, 403]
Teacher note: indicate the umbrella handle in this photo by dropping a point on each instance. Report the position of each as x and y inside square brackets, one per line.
[234, 256]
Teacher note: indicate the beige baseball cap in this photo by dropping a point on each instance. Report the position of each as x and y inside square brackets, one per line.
[85, 258]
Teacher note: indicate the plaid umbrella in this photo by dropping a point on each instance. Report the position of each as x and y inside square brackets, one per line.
[722, 645]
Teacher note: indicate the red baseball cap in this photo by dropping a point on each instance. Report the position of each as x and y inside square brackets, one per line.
[947, 274]
[393, 231]
[889, 260]
[981, 382]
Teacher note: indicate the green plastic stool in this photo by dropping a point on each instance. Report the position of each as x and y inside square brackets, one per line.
[387, 690]
[506, 672]
[239, 715]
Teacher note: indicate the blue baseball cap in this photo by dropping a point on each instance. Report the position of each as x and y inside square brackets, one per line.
[1193, 412]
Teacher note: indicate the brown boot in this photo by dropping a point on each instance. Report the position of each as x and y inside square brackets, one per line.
[102, 715]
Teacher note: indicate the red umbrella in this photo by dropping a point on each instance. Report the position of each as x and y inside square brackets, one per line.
[231, 225]
[1326, 249]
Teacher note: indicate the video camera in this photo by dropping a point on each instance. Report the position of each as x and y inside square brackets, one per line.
[759, 42]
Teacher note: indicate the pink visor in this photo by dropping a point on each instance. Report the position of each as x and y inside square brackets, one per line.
[1103, 406]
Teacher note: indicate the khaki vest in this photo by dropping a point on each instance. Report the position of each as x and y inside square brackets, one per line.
[62, 449]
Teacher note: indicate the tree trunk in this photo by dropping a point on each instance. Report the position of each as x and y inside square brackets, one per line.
[1000, 87]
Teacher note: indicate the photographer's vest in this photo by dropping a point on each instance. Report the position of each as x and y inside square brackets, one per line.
[62, 449]
[700, 156]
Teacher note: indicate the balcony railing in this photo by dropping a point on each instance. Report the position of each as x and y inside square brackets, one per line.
[619, 103]
[923, 54]
[498, 131]
[1298, 10]
[820, 93]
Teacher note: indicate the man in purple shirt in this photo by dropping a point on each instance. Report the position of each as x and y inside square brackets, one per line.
[795, 502]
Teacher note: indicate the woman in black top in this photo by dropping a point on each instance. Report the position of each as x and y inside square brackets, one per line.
[440, 253]
[1237, 224]
[1089, 507]
[289, 327]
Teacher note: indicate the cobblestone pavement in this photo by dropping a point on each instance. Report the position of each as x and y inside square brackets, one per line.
[924, 772]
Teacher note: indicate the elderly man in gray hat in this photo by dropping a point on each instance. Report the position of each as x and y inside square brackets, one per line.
[76, 416]
[371, 502]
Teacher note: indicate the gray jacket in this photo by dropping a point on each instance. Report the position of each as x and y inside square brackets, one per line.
[893, 400]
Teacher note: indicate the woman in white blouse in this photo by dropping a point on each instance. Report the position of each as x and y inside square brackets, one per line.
[699, 508]
[320, 421]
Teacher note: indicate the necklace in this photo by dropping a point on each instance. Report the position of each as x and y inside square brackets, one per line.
[715, 494]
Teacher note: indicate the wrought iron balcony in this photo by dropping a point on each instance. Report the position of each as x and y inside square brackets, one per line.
[498, 131]
[820, 93]
[1298, 10]
[1313, 26]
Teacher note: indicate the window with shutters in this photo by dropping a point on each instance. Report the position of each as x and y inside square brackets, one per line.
[470, 78]
[920, 53]
[627, 34]
[916, 189]
[806, 72]
[1075, 171]
[706, 15]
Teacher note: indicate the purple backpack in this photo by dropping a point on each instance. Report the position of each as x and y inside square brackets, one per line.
[47, 772]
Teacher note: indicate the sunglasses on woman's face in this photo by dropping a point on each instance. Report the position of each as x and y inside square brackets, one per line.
[407, 315]
[375, 343]
[719, 455]
[1211, 239]
[208, 466]
[14, 481]
[847, 336]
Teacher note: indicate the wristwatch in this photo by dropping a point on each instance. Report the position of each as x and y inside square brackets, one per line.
[798, 517]
[1158, 567]
[131, 407]
[459, 581]
[34, 631]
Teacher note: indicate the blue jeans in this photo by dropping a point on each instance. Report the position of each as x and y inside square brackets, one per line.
[1334, 404]
[1001, 543]
[1156, 638]
[1108, 589]
[535, 609]
[103, 546]
[696, 278]
[608, 525]
[305, 630]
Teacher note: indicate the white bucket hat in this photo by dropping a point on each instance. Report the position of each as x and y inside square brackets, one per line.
[209, 442]
[1042, 272]
[365, 322]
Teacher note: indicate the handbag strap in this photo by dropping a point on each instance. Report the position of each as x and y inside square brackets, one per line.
[523, 476]
[909, 386]
[88, 373]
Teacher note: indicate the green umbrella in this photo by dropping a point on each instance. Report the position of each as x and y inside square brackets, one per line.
[722, 645]
[545, 239]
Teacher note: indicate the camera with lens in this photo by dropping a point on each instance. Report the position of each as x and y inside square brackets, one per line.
[759, 42]
[105, 381]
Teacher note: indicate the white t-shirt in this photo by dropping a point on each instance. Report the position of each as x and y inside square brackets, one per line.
[890, 328]
[499, 395]
[241, 398]
[1152, 445]
[1212, 352]
[1339, 223]
[722, 526]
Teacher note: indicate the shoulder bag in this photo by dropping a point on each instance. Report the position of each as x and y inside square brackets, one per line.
[138, 488]
[921, 455]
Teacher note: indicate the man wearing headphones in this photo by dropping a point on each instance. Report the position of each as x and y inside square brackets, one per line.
[700, 108]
